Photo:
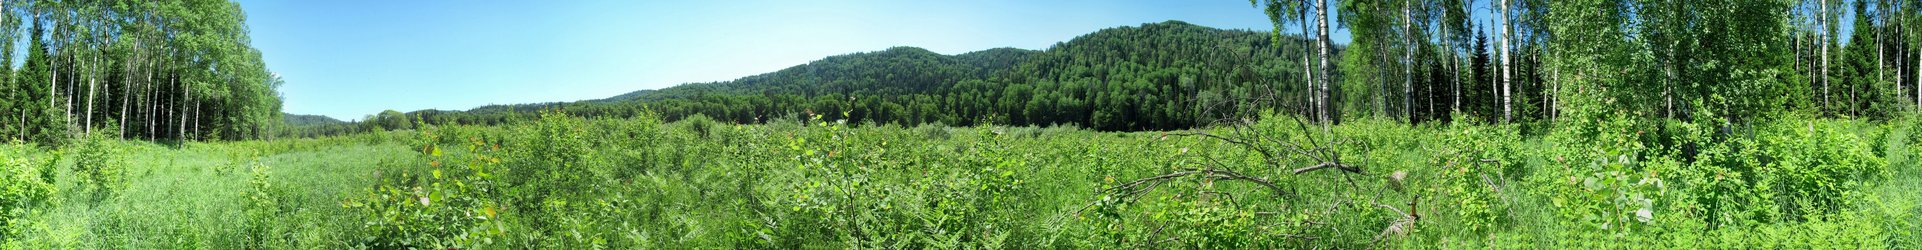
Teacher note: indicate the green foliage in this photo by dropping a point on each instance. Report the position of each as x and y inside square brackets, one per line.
[26, 187]
[638, 183]
[1668, 183]
[453, 202]
[389, 120]
[266, 209]
[698, 125]
[99, 162]
[1474, 179]
[1821, 167]
[551, 161]
[183, 70]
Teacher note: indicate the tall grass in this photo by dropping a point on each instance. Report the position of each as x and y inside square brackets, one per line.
[575, 183]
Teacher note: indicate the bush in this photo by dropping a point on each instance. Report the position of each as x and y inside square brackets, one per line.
[1815, 168]
[99, 162]
[698, 125]
[26, 185]
[552, 158]
[1476, 171]
[452, 203]
[932, 132]
[267, 224]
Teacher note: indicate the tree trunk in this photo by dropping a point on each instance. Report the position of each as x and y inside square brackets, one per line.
[182, 103]
[92, 86]
[126, 89]
[153, 103]
[71, 90]
[1381, 77]
[1823, 21]
[1508, 99]
[1668, 80]
[1321, 23]
[53, 86]
[198, 134]
[1454, 70]
[1307, 70]
[1408, 59]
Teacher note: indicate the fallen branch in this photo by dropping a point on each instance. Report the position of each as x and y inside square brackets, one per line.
[1214, 173]
[1324, 165]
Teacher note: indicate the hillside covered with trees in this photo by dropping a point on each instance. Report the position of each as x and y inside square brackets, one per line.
[1166, 75]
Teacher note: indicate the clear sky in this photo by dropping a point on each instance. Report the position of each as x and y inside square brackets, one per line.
[350, 58]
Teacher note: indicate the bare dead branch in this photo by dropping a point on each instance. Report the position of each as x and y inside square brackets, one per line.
[1325, 165]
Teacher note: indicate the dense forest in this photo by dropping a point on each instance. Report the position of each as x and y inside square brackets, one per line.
[155, 70]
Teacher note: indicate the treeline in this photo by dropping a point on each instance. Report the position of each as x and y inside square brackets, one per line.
[1538, 60]
[155, 70]
[1166, 75]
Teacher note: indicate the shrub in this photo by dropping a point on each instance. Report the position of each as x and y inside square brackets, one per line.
[1816, 169]
[99, 163]
[933, 132]
[25, 186]
[1475, 173]
[698, 125]
[632, 147]
[451, 205]
[553, 158]
[267, 210]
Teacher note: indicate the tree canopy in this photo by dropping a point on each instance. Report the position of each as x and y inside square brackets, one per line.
[161, 70]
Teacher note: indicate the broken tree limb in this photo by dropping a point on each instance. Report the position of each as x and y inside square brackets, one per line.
[1326, 165]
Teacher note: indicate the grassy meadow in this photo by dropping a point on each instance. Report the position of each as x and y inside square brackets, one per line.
[574, 183]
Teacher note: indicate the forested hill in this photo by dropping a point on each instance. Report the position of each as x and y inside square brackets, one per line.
[1154, 76]
[309, 120]
[895, 71]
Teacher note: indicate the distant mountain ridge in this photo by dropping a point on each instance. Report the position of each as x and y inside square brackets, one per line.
[309, 120]
[1154, 76]
[864, 65]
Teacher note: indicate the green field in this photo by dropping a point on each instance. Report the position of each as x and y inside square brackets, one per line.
[576, 183]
